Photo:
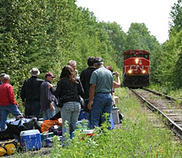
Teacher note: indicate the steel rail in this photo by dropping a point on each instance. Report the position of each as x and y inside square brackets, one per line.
[160, 94]
[173, 126]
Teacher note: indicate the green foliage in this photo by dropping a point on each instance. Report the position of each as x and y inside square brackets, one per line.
[176, 16]
[139, 38]
[47, 34]
[168, 70]
[117, 38]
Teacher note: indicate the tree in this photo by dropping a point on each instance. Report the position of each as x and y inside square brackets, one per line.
[176, 16]
[117, 39]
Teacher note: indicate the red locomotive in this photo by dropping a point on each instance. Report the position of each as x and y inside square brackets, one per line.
[136, 68]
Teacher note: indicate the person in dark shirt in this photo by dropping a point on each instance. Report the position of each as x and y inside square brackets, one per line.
[30, 94]
[68, 90]
[85, 79]
[48, 101]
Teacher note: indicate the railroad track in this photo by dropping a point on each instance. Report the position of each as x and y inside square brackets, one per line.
[163, 105]
[160, 94]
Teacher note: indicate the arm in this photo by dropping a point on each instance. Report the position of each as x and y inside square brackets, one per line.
[57, 91]
[12, 95]
[49, 96]
[117, 84]
[91, 96]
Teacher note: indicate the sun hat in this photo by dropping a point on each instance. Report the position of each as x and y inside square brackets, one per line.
[35, 71]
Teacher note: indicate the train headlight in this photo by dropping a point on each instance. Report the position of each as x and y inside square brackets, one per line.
[136, 60]
[130, 71]
[143, 71]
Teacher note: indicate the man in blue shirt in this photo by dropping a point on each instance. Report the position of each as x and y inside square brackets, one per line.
[100, 99]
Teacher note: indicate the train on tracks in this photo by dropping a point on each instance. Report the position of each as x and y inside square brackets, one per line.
[136, 71]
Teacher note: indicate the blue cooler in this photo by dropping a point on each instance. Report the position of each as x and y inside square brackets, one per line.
[30, 139]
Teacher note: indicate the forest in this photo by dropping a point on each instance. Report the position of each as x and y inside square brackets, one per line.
[47, 34]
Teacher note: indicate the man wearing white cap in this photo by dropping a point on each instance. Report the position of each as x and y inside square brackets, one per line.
[30, 94]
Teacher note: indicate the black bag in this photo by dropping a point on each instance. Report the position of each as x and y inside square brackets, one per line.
[57, 116]
[7, 134]
[22, 124]
[14, 127]
[83, 103]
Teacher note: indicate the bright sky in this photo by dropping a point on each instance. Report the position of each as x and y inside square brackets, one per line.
[154, 13]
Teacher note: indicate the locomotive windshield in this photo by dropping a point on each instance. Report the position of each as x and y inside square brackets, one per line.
[136, 54]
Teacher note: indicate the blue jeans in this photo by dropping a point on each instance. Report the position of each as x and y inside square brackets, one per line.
[4, 112]
[48, 114]
[70, 112]
[102, 103]
[32, 109]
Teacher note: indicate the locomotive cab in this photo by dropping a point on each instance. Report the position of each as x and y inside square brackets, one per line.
[136, 68]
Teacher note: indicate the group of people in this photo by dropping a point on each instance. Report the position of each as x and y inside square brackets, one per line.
[95, 85]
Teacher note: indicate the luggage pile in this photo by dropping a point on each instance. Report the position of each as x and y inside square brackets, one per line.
[27, 134]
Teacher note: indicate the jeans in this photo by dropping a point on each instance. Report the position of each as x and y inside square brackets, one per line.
[32, 109]
[102, 103]
[70, 112]
[4, 112]
[48, 114]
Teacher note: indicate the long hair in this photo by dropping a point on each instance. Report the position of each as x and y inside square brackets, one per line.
[68, 72]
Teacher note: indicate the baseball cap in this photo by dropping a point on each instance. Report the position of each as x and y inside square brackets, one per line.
[49, 74]
[98, 60]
